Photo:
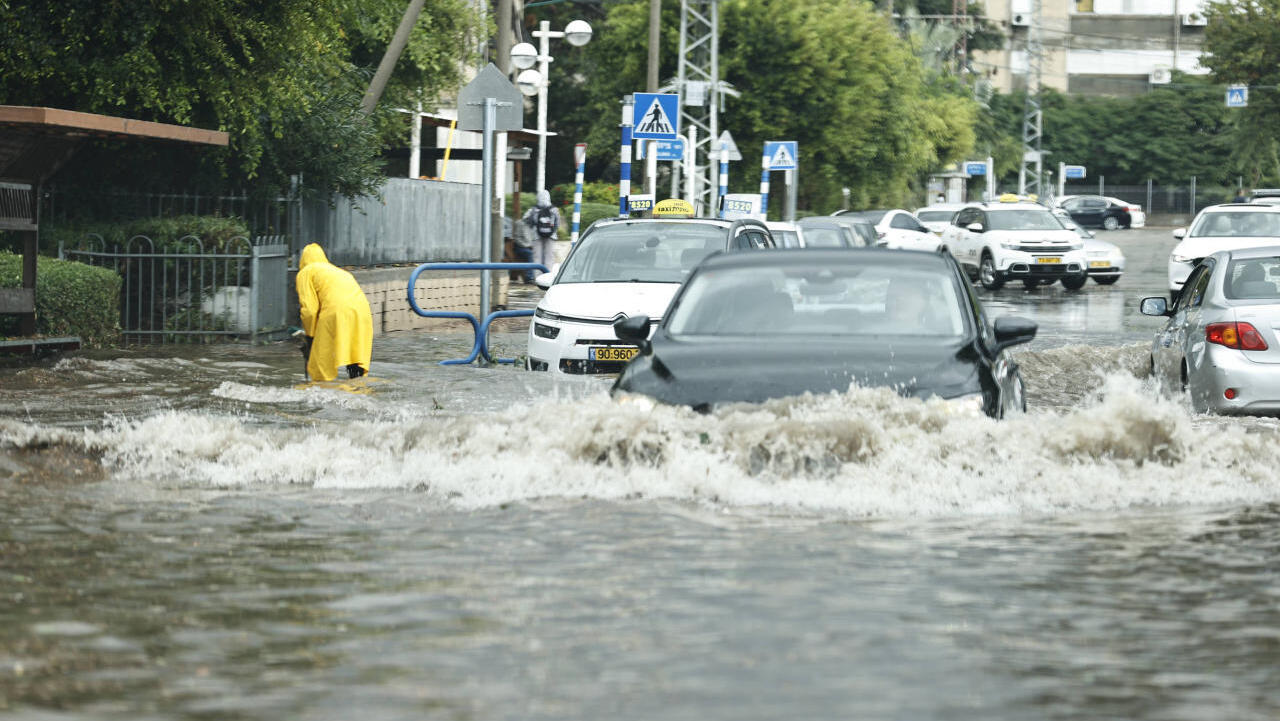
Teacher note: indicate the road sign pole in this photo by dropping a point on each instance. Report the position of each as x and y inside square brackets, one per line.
[793, 182]
[486, 192]
[764, 186]
[724, 176]
[991, 178]
[580, 159]
[651, 168]
[691, 177]
[1062, 179]
[624, 179]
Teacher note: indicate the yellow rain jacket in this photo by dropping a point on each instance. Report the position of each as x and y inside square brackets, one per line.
[335, 313]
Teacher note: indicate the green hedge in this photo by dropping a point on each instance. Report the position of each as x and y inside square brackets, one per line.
[71, 299]
[215, 233]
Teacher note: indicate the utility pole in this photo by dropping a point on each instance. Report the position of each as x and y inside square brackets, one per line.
[1031, 170]
[655, 23]
[698, 82]
[391, 56]
[506, 36]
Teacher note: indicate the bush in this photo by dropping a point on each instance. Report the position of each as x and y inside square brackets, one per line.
[71, 299]
[215, 233]
[597, 192]
[591, 212]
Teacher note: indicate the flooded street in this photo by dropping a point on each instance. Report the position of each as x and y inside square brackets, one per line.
[191, 533]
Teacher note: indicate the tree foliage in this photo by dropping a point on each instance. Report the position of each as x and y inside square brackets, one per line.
[283, 77]
[1242, 44]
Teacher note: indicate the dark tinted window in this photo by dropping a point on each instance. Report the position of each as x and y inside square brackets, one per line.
[905, 222]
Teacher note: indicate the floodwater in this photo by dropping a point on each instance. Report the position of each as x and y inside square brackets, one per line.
[195, 534]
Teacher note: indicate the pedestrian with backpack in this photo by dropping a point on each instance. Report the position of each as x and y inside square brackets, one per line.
[543, 220]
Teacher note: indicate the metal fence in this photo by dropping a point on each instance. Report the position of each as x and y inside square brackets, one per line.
[180, 291]
[413, 221]
[1170, 201]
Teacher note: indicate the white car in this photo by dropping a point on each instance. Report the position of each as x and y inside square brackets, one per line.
[1230, 226]
[938, 216]
[897, 229]
[1106, 261]
[1137, 218]
[785, 235]
[1016, 240]
[621, 268]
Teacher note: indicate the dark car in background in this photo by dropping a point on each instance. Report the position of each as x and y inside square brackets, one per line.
[749, 327]
[1096, 211]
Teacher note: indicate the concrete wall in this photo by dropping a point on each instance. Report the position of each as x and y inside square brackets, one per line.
[387, 291]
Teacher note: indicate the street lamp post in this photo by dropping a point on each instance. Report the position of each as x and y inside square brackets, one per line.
[530, 81]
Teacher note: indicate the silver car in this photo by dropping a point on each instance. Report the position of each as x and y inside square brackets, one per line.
[1221, 343]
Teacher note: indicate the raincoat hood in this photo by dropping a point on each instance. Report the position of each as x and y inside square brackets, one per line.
[313, 253]
[544, 199]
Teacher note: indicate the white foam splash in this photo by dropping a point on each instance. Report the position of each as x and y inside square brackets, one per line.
[862, 453]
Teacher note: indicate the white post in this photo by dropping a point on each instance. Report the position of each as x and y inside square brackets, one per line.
[544, 67]
[991, 178]
[691, 177]
[1062, 179]
[651, 168]
[415, 144]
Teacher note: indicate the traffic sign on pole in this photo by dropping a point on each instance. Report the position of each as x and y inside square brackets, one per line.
[781, 154]
[657, 116]
[1237, 96]
[1073, 172]
[726, 141]
[975, 167]
[670, 149]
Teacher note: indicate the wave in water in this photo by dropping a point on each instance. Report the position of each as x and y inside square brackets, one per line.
[864, 453]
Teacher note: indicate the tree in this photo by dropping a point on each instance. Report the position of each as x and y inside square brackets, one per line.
[1242, 44]
[283, 77]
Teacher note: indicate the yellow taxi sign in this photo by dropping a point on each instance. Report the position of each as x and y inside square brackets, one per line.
[1009, 198]
[673, 208]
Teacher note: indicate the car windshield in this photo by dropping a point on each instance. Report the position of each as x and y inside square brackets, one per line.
[1023, 219]
[641, 252]
[786, 238]
[1253, 279]
[823, 237]
[935, 216]
[822, 301]
[1232, 224]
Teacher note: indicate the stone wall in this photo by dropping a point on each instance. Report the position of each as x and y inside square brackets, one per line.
[387, 291]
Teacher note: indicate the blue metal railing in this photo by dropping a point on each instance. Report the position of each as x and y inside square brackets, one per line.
[479, 327]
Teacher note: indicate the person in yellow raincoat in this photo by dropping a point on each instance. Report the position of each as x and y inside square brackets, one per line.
[335, 317]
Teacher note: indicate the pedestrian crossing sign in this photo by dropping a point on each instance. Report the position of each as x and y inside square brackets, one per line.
[656, 116]
[781, 154]
[1237, 96]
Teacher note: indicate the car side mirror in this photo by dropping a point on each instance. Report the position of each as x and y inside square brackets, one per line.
[1012, 331]
[975, 227]
[1179, 233]
[544, 281]
[1154, 306]
[634, 329]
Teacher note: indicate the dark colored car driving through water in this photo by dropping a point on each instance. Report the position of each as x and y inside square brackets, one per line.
[748, 328]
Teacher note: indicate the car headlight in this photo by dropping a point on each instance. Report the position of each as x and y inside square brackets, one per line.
[971, 404]
[1009, 244]
[1077, 245]
[1182, 258]
[635, 400]
[546, 314]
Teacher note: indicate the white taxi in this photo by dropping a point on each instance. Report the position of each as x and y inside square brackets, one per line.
[1016, 240]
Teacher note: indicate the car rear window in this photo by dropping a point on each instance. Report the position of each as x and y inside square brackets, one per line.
[822, 301]
[935, 216]
[1253, 279]
[871, 216]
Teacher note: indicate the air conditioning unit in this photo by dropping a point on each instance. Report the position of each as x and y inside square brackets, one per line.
[1021, 20]
[1160, 76]
[1194, 20]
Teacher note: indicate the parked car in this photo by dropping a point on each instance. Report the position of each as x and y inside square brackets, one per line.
[749, 327]
[623, 267]
[1096, 211]
[938, 216]
[1137, 216]
[1013, 239]
[1220, 344]
[1229, 226]
[785, 235]
[825, 232]
[1106, 261]
[896, 229]
[864, 231]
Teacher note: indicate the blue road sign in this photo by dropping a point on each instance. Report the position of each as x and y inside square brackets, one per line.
[1237, 96]
[781, 154]
[671, 149]
[1073, 172]
[976, 167]
[656, 116]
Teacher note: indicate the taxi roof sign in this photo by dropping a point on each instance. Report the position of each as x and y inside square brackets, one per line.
[673, 208]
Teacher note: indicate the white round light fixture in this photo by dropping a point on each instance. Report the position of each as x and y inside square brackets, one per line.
[528, 81]
[524, 55]
[578, 33]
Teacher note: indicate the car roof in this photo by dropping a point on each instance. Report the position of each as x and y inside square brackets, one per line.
[827, 258]
[780, 225]
[1247, 207]
[944, 206]
[701, 221]
[1020, 205]
[1266, 251]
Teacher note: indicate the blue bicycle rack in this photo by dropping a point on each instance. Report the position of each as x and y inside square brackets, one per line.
[481, 328]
